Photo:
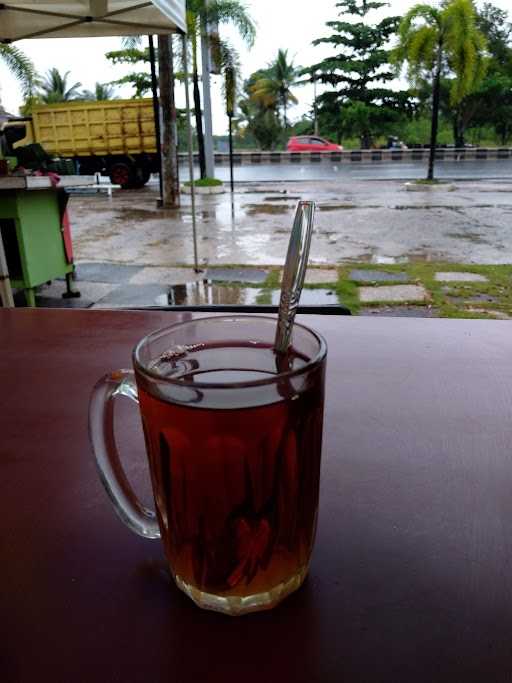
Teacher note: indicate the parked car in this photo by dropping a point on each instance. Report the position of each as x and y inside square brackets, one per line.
[311, 143]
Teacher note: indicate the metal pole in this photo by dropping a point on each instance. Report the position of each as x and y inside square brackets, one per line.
[190, 157]
[156, 113]
[230, 117]
[207, 102]
[315, 108]
[5, 283]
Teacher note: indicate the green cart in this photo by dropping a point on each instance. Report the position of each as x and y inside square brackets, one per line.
[32, 234]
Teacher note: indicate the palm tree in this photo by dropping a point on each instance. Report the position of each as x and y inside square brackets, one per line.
[213, 12]
[20, 66]
[55, 88]
[435, 41]
[275, 88]
[102, 91]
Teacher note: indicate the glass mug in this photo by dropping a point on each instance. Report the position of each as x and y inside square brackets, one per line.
[233, 435]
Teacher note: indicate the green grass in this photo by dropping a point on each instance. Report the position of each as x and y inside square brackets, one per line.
[499, 286]
[205, 182]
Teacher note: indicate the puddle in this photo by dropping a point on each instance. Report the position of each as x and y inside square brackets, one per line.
[411, 257]
[205, 292]
[388, 260]
[272, 209]
[311, 297]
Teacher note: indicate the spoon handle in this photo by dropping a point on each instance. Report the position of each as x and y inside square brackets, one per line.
[294, 273]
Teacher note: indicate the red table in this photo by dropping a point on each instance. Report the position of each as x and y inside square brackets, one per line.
[411, 579]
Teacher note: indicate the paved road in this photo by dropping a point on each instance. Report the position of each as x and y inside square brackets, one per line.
[357, 171]
[467, 222]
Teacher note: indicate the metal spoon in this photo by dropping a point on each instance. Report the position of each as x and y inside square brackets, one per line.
[294, 273]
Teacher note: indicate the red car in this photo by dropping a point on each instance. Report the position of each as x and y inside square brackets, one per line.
[311, 143]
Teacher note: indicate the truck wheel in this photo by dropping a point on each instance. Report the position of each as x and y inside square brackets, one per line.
[121, 174]
[140, 176]
[146, 174]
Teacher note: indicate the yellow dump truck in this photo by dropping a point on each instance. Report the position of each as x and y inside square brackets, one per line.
[115, 137]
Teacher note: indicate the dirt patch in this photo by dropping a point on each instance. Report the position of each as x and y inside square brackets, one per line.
[338, 207]
[130, 214]
[473, 237]
[266, 209]
[281, 198]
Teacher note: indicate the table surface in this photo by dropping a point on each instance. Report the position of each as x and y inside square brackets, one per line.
[43, 182]
[411, 578]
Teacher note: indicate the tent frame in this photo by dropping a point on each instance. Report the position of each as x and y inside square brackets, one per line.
[105, 18]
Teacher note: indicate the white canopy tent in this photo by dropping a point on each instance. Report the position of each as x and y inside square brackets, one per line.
[24, 19]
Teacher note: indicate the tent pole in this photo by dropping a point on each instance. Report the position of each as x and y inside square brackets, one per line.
[156, 112]
[190, 157]
[230, 117]
[5, 283]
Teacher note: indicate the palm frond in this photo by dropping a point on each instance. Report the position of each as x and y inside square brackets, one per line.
[235, 13]
[21, 67]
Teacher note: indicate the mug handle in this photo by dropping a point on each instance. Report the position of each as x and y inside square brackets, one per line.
[136, 516]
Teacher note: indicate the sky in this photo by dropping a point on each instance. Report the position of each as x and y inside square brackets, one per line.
[286, 24]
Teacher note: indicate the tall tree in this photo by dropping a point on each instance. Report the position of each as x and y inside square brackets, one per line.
[276, 85]
[213, 13]
[259, 112]
[357, 71]
[489, 105]
[21, 68]
[434, 41]
[101, 92]
[56, 88]
[493, 22]
[133, 53]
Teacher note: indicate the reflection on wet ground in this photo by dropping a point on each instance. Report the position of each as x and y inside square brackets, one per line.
[311, 297]
[206, 292]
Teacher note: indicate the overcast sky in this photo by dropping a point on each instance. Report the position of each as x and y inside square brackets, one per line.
[280, 24]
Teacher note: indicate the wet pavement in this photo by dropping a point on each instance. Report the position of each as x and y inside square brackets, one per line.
[360, 221]
[326, 170]
[105, 285]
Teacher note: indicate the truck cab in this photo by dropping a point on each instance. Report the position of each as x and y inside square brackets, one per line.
[15, 132]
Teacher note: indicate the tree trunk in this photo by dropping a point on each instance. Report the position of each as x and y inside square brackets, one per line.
[197, 111]
[435, 115]
[169, 157]
[366, 140]
[455, 129]
[209, 158]
[458, 130]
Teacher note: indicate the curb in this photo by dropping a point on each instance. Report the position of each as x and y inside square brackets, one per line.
[214, 189]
